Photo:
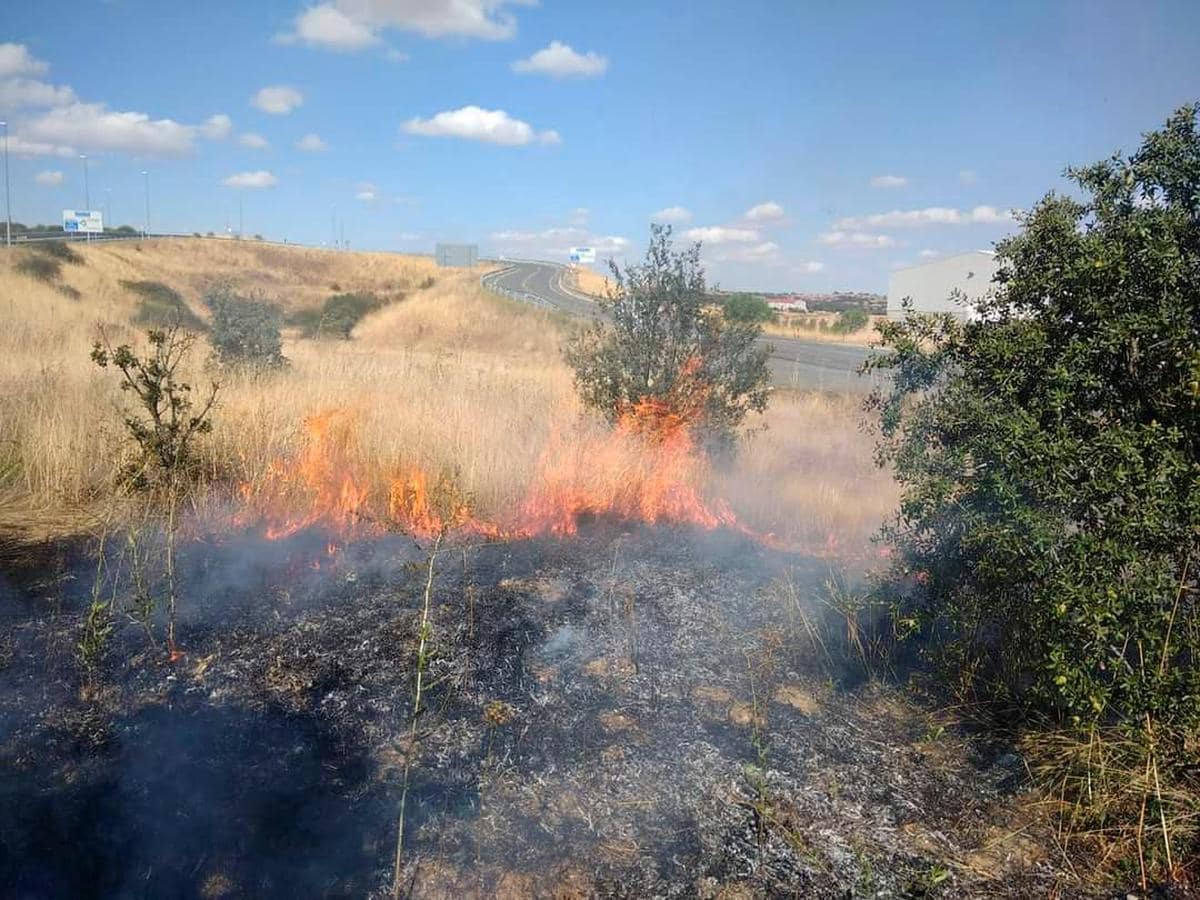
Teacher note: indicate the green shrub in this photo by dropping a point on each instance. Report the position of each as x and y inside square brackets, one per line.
[43, 268]
[60, 250]
[664, 344]
[849, 321]
[747, 308]
[337, 316]
[1048, 539]
[245, 332]
[162, 306]
[1049, 454]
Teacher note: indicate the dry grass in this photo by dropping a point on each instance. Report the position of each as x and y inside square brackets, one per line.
[589, 282]
[452, 379]
[815, 327]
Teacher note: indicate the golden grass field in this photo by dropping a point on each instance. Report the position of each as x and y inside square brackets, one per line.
[451, 379]
[814, 327]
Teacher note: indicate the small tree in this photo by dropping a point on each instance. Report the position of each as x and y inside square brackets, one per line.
[245, 332]
[163, 425]
[661, 336]
[747, 308]
[1049, 455]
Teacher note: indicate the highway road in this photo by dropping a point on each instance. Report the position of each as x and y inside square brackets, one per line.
[812, 365]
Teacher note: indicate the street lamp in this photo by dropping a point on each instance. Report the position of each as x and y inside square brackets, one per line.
[108, 208]
[7, 203]
[87, 193]
[146, 225]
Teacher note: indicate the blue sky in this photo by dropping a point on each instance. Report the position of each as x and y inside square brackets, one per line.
[812, 146]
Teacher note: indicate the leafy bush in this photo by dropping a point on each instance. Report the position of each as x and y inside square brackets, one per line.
[849, 321]
[747, 308]
[162, 306]
[664, 340]
[1049, 454]
[60, 250]
[337, 316]
[43, 268]
[245, 332]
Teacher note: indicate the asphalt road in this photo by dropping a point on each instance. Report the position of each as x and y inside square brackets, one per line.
[812, 365]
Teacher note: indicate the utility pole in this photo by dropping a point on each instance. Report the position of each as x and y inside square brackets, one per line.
[146, 225]
[7, 202]
[87, 192]
[333, 226]
[241, 233]
[108, 208]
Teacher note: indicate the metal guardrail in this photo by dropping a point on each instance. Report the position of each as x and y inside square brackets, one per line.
[487, 282]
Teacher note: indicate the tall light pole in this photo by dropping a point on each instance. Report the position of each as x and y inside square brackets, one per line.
[240, 219]
[87, 191]
[333, 226]
[146, 226]
[108, 208]
[7, 202]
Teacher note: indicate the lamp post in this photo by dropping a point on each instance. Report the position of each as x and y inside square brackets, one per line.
[87, 191]
[146, 224]
[108, 208]
[7, 202]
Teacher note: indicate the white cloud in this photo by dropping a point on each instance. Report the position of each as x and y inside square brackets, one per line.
[764, 212]
[809, 267]
[253, 141]
[492, 126]
[559, 60]
[217, 128]
[889, 181]
[932, 215]
[352, 25]
[278, 100]
[485, 19]
[580, 215]
[327, 26]
[15, 59]
[843, 238]
[20, 146]
[92, 126]
[672, 215]
[968, 176]
[26, 93]
[49, 178]
[555, 243]
[311, 143]
[927, 254]
[718, 234]
[366, 192]
[765, 252]
[251, 180]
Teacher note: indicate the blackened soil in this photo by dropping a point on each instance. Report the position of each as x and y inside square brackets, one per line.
[624, 714]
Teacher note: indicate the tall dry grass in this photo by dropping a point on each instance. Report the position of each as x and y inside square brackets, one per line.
[451, 379]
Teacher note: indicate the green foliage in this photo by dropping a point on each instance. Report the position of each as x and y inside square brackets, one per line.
[849, 321]
[1049, 453]
[747, 308]
[337, 316]
[165, 422]
[245, 332]
[663, 337]
[162, 306]
[43, 268]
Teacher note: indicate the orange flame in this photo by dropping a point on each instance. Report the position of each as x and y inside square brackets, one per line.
[646, 469]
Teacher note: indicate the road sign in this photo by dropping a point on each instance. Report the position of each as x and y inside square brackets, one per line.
[83, 221]
[583, 255]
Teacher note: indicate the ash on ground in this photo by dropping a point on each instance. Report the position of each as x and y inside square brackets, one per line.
[624, 714]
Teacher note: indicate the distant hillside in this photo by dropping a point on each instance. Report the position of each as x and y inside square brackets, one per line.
[875, 304]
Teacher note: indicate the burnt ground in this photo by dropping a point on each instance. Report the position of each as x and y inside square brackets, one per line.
[628, 714]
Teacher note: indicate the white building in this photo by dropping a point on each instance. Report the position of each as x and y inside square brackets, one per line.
[931, 285]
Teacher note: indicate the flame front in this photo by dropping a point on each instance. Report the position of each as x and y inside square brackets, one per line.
[645, 469]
